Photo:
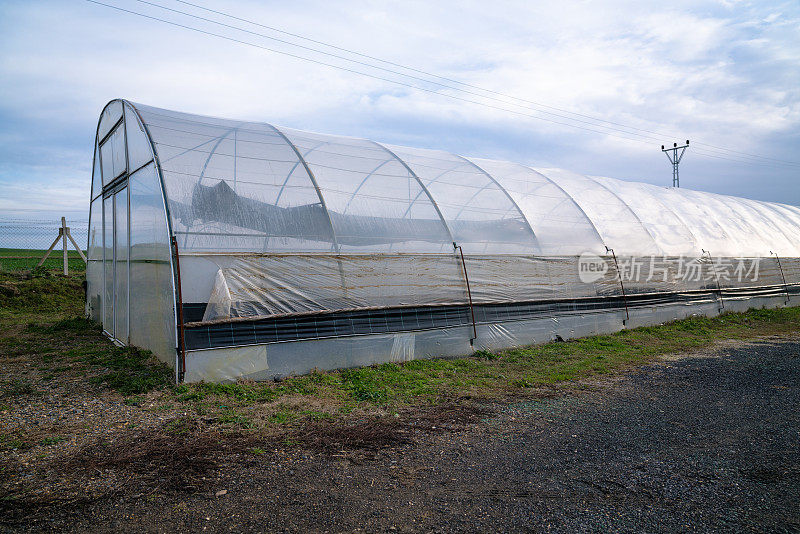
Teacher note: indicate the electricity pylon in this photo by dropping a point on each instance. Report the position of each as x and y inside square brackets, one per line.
[675, 158]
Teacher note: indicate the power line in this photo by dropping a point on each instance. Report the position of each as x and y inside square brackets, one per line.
[451, 80]
[390, 70]
[227, 38]
[411, 86]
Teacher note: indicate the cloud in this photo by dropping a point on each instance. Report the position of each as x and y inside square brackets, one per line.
[723, 73]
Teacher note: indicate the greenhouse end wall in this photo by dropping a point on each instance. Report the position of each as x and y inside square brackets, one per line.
[240, 249]
[129, 271]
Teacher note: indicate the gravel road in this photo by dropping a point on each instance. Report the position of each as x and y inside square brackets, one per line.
[704, 442]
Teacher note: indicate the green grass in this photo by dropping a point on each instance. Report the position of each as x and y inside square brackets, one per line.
[52, 440]
[19, 259]
[41, 317]
[42, 321]
[17, 388]
[493, 375]
[44, 297]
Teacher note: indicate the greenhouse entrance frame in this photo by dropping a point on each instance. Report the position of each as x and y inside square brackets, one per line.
[116, 246]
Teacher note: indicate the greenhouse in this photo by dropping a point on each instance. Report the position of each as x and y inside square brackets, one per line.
[236, 249]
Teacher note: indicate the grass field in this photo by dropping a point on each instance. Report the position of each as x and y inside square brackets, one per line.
[41, 320]
[82, 419]
[21, 259]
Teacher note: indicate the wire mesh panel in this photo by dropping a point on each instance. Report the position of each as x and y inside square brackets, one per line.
[24, 242]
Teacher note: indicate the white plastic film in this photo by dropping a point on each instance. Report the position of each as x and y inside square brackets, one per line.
[619, 226]
[153, 321]
[112, 155]
[139, 150]
[481, 215]
[273, 222]
[219, 302]
[259, 286]
[560, 226]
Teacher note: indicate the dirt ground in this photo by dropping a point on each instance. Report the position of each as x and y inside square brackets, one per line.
[706, 441]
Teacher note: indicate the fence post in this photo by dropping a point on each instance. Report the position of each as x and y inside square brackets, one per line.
[49, 250]
[64, 234]
[64, 240]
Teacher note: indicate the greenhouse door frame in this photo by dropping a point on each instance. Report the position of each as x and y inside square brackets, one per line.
[112, 325]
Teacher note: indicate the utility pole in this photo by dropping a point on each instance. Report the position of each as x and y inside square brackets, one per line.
[675, 158]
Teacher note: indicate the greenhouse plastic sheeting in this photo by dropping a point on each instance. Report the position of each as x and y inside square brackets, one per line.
[234, 221]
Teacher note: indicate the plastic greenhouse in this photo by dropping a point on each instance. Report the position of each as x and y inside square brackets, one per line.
[240, 249]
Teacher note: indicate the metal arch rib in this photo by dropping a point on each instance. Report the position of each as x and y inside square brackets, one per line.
[425, 189]
[168, 216]
[314, 182]
[574, 202]
[360, 185]
[669, 208]
[435, 179]
[202, 174]
[214, 149]
[776, 210]
[463, 269]
[503, 189]
[186, 151]
[629, 209]
[288, 176]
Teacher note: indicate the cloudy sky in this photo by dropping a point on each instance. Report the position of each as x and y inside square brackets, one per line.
[723, 73]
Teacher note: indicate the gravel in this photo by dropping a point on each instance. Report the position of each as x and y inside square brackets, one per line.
[702, 442]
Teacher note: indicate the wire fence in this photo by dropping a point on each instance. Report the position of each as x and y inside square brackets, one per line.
[24, 242]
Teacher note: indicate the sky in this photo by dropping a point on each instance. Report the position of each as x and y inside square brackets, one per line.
[723, 73]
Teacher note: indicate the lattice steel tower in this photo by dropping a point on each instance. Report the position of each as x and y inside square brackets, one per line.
[675, 158]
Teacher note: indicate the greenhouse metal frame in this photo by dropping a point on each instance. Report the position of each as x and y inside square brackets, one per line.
[236, 249]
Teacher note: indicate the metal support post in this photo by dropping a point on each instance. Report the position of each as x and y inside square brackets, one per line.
[785, 285]
[621, 285]
[716, 277]
[181, 335]
[469, 294]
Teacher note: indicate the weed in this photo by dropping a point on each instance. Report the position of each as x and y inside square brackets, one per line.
[315, 415]
[17, 387]
[130, 370]
[12, 443]
[232, 418]
[485, 355]
[282, 417]
[51, 440]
